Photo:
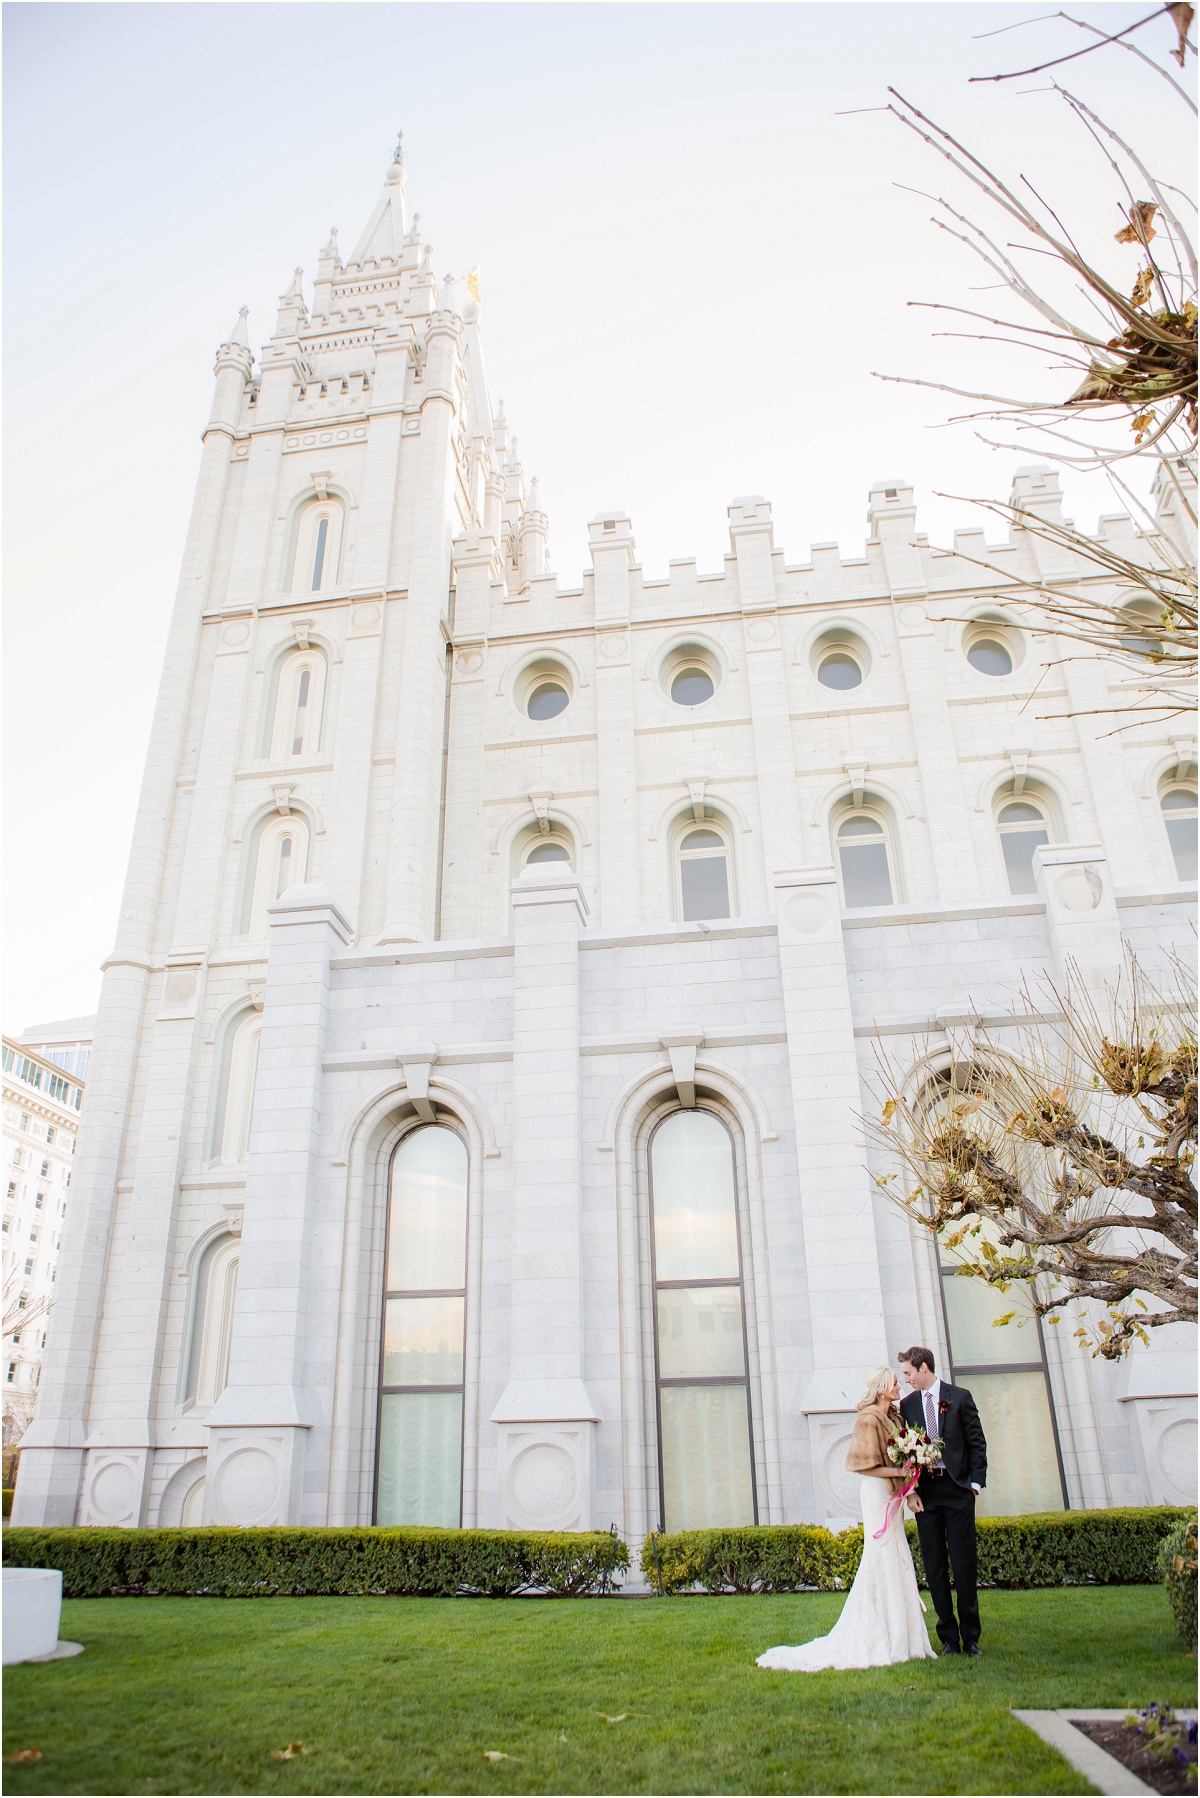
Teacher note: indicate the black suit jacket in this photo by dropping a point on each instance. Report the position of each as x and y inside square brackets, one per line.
[964, 1451]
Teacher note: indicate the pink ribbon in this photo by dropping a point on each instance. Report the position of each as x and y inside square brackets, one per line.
[895, 1503]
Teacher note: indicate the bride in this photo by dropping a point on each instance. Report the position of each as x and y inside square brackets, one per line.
[882, 1620]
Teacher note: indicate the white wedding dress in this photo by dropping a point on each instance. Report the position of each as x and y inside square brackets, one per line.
[883, 1619]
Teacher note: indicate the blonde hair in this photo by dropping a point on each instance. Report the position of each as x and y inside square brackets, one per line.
[878, 1381]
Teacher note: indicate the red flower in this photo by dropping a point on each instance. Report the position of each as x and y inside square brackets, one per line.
[943, 1405]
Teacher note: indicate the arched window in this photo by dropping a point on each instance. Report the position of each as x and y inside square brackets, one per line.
[704, 883]
[1024, 825]
[1178, 802]
[864, 857]
[296, 705]
[419, 1471]
[1003, 1364]
[212, 1321]
[233, 1095]
[316, 547]
[280, 861]
[536, 848]
[705, 1453]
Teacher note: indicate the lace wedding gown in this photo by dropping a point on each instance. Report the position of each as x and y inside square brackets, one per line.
[883, 1619]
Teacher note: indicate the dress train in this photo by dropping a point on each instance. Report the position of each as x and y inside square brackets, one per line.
[883, 1619]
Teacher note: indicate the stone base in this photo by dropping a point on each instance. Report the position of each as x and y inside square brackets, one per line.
[545, 1476]
[253, 1476]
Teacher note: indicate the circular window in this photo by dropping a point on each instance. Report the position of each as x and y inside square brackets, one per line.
[546, 700]
[547, 852]
[840, 659]
[692, 686]
[990, 656]
[689, 674]
[839, 670]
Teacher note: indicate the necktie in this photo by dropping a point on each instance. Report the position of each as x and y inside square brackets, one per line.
[930, 1419]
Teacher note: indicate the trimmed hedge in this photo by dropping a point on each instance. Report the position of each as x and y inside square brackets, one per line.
[1058, 1548]
[1177, 1568]
[270, 1563]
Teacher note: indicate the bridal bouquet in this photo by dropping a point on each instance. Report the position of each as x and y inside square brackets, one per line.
[911, 1448]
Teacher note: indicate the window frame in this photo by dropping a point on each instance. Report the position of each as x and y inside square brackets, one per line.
[384, 1292]
[942, 1271]
[656, 1286]
[683, 828]
[1175, 784]
[272, 825]
[1031, 796]
[879, 813]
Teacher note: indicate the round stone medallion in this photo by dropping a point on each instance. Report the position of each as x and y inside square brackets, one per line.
[762, 630]
[365, 617]
[842, 1486]
[114, 1489]
[235, 633]
[1177, 1458]
[612, 646]
[1079, 889]
[543, 1482]
[470, 662]
[808, 913]
[247, 1486]
[180, 987]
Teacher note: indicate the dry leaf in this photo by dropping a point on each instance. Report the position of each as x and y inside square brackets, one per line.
[1142, 288]
[292, 1752]
[1183, 15]
[494, 1754]
[621, 1719]
[24, 1756]
[1140, 228]
[889, 1111]
[1141, 425]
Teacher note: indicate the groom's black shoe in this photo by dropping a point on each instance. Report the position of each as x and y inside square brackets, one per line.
[953, 1648]
[972, 1648]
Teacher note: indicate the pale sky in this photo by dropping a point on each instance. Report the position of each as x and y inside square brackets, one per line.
[690, 266]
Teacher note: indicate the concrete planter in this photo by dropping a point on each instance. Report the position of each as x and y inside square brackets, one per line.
[32, 1607]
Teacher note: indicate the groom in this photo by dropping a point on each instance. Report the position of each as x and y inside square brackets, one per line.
[946, 1521]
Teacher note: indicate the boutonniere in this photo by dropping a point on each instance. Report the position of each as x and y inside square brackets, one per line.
[943, 1406]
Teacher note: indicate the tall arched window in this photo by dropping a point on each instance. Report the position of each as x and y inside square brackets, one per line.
[864, 859]
[233, 1096]
[280, 861]
[296, 706]
[1004, 1366]
[1024, 825]
[419, 1472]
[212, 1321]
[316, 548]
[705, 1455]
[705, 886]
[1178, 802]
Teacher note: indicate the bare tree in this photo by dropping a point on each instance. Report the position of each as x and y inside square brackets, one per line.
[1062, 1164]
[1118, 355]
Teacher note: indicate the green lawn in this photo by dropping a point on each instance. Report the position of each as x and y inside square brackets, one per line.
[406, 1695]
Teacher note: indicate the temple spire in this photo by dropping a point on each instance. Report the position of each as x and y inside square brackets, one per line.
[387, 227]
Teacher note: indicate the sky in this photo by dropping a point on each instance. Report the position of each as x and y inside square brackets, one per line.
[697, 236]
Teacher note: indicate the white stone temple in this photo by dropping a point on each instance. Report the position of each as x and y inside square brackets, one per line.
[472, 1131]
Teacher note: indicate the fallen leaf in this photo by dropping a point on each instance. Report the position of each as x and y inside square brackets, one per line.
[562, 1738]
[621, 1719]
[24, 1756]
[1140, 228]
[494, 1754]
[910, 1688]
[292, 1752]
